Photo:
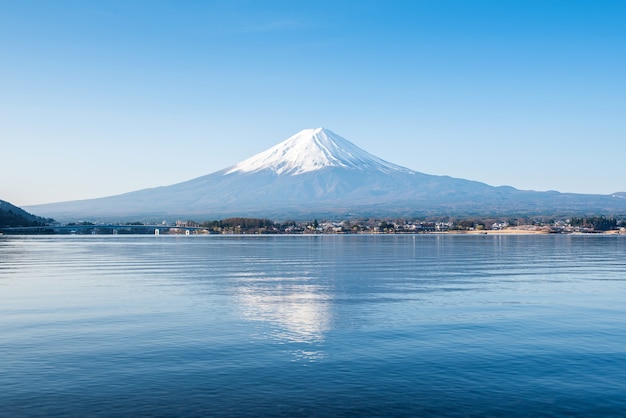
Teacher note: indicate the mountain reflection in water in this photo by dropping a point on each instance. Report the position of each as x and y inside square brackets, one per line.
[290, 310]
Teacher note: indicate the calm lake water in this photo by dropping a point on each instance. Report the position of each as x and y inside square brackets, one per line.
[313, 326]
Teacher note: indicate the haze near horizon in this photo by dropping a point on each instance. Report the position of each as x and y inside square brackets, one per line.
[103, 98]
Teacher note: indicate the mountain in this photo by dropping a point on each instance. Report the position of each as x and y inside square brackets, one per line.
[12, 216]
[318, 173]
[312, 150]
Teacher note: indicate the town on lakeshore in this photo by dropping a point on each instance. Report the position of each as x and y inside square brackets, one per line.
[233, 226]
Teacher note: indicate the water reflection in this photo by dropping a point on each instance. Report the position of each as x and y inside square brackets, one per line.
[288, 310]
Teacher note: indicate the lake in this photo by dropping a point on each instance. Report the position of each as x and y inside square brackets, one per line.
[355, 325]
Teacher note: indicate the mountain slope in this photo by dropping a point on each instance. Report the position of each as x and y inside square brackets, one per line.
[317, 172]
[12, 216]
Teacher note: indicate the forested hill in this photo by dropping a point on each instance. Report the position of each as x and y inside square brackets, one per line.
[11, 215]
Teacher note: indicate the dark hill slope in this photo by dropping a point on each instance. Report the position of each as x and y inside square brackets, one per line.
[12, 216]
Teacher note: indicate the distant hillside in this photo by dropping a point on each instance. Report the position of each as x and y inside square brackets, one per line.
[11, 216]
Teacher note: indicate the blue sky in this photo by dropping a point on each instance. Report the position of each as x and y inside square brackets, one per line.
[105, 97]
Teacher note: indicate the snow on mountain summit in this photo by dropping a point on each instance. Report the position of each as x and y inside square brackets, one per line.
[310, 150]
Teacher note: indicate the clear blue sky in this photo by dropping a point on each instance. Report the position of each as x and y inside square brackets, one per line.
[105, 97]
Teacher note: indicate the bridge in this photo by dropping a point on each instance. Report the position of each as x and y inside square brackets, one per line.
[100, 229]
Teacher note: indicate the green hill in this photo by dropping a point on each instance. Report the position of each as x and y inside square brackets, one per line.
[12, 216]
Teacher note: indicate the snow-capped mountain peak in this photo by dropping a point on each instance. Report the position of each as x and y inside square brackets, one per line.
[311, 150]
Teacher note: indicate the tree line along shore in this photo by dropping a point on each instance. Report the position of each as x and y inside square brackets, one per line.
[242, 225]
